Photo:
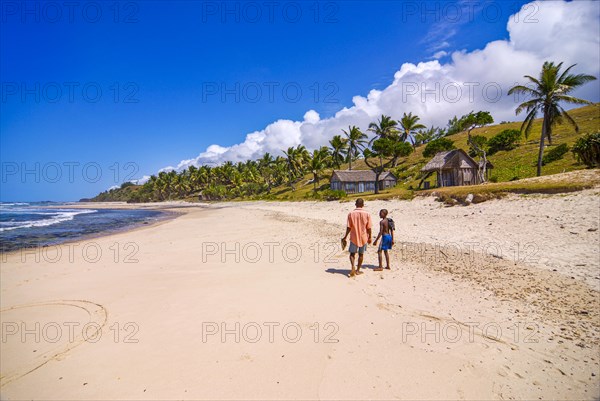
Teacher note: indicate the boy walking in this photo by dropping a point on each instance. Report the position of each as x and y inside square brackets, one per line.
[386, 233]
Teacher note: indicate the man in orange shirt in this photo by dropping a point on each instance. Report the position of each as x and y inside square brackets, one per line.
[359, 228]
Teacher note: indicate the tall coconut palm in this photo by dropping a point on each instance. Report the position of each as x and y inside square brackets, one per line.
[180, 184]
[318, 163]
[205, 176]
[279, 170]
[155, 184]
[409, 123]
[265, 170]
[384, 128]
[356, 141]
[296, 159]
[552, 87]
[339, 150]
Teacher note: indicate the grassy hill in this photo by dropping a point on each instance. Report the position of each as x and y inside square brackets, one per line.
[510, 165]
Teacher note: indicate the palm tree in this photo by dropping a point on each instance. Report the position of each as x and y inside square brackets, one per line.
[296, 160]
[279, 170]
[266, 161]
[339, 150]
[227, 173]
[155, 184]
[205, 176]
[384, 128]
[167, 182]
[409, 123]
[266, 170]
[180, 184]
[318, 163]
[356, 141]
[548, 90]
[427, 135]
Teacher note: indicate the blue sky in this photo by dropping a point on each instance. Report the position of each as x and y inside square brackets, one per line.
[161, 67]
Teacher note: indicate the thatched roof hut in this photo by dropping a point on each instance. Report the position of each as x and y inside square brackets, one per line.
[455, 167]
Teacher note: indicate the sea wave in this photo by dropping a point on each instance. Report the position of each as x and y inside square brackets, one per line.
[57, 216]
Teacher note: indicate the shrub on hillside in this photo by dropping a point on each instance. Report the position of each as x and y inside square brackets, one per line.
[556, 153]
[587, 149]
[438, 145]
[505, 140]
[333, 194]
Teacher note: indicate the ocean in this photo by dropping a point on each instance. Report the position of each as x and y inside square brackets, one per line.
[33, 224]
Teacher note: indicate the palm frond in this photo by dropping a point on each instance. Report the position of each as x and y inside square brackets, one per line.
[569, 119]
[528, 122]
[571, 99]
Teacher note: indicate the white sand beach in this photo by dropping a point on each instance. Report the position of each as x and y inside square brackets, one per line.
[498, 300]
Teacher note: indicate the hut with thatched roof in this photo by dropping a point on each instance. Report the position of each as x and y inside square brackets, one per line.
[454, 168]
[356, 181]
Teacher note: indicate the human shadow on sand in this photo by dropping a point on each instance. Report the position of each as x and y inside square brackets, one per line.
[369, 266]
[346, 272]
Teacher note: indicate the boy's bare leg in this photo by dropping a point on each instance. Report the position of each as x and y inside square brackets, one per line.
[352, 272]
[360, 260]
[380, 268]
[387, 260]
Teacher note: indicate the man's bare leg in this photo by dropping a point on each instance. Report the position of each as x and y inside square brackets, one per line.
[360, 260]
[387, 260]
[352, 272]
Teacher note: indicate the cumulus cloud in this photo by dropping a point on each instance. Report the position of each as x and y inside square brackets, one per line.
[476, 80]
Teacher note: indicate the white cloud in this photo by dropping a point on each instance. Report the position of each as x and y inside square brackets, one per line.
[440, 54]
[563, 32]
[141, 181]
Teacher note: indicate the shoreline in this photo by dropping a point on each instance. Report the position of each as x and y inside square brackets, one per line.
[174, 205]
[168, 215]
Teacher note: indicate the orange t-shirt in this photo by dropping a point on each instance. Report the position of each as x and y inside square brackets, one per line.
[359, 220]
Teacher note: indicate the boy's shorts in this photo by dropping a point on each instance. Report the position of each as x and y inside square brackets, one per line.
[386, 242]
[353, 248]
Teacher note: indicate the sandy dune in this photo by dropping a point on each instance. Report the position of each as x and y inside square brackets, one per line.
[498, 300]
